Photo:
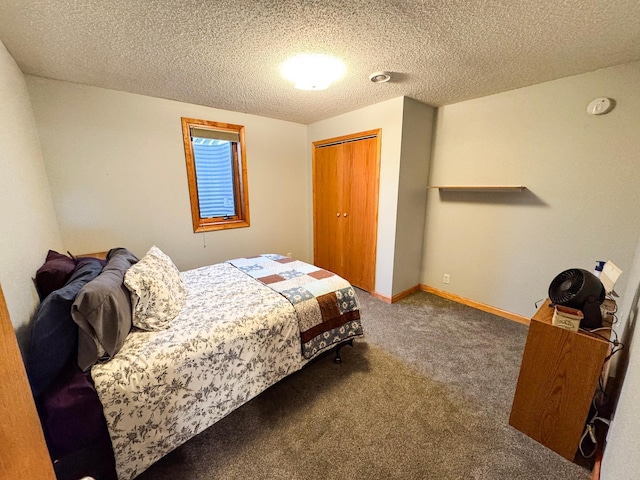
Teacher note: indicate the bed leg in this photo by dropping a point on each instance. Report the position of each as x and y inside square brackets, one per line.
[338, 358]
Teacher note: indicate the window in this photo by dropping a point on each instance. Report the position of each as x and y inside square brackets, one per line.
[217, 174]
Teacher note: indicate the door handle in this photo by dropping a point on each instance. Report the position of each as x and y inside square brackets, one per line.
[344, 214]
[338, 214]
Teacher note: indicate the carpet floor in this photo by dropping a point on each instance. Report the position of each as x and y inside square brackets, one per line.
[425, 395]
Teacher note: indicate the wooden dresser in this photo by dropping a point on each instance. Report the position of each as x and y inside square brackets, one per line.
[558, 378]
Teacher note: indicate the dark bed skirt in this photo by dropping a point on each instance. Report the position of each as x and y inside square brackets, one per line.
[75, 428]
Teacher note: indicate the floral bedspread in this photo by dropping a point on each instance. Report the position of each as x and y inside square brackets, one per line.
[234, 338]
[326, 304]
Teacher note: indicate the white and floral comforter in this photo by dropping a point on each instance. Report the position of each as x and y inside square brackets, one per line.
[235, 338]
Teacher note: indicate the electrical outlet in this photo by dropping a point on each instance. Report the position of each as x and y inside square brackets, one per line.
[445, 278]
[289, 255]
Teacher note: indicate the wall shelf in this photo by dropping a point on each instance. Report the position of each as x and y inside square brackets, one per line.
[479, 188]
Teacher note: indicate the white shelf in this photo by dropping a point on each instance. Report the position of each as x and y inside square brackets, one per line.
[479, 188]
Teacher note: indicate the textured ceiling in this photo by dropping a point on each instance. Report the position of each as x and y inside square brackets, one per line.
[226, 54]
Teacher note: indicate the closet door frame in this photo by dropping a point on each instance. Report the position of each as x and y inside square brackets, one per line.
[377, 134]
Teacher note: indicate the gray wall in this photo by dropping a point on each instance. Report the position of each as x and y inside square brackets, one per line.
[415, 157]
[581, 174]
[622, 456]
[28, 222]
[116, 166]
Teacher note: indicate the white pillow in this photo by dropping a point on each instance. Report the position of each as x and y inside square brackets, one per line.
[157, 290]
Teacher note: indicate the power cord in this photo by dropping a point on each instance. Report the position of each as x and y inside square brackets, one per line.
[590, 430]
[617, 346]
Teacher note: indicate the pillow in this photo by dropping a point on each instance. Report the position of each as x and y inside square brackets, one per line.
[54, 335]
[157, 291]
[54, 273]
[102, 311]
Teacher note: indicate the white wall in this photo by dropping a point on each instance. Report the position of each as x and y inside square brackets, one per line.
[116, 166]
[28, 223]
[581, 174]
[622, 456]
[415, 157]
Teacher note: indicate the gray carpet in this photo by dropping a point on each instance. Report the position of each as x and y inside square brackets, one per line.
[426, 395]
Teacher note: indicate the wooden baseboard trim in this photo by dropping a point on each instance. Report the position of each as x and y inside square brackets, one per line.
[397, 297]
[478, 305]
[595, 473]
[456, 298]
[379, 296]
[406, 293]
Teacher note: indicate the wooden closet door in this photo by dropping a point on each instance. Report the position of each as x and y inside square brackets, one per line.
[345, 201]
[328, 180]
[361, 206]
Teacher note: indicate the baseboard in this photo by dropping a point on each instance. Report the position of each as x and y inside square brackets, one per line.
[396, 297]
[456, 298]
[379, 296]
[478, 305]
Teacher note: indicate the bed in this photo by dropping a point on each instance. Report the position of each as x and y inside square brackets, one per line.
[245, 324]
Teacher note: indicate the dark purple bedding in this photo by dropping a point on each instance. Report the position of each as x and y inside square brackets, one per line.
[75, 428]
[70, 411]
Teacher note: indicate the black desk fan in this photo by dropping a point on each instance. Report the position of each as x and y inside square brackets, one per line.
[581, 289]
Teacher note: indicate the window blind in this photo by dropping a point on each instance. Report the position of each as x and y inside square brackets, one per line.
[214, 177]
[225, 135]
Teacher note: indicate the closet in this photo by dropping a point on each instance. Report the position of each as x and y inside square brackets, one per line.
[346, 176]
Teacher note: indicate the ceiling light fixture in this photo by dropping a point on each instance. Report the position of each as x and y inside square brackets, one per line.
[380, 77]
[310, 71]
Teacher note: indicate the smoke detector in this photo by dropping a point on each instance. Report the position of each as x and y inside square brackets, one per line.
[380, 77]
[600, 106]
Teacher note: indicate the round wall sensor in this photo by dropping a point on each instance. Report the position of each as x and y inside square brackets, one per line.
[600, 106]
[380, 77]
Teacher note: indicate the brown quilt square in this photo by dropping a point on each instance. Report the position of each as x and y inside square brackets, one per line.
[320, 274]
[285, 260]
[329, 306]
[271, 279]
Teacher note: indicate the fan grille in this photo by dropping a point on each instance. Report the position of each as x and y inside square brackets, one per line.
[566, 285]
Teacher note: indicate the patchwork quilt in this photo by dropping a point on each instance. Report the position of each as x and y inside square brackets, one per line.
[326, 304]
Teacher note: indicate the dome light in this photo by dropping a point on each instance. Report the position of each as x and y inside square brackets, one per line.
[312, 71]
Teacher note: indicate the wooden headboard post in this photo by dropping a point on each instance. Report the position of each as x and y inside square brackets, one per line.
[24, 451]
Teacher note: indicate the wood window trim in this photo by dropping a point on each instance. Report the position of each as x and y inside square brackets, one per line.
[241, 188]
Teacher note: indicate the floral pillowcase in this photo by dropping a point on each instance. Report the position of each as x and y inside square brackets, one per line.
[157, 290]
